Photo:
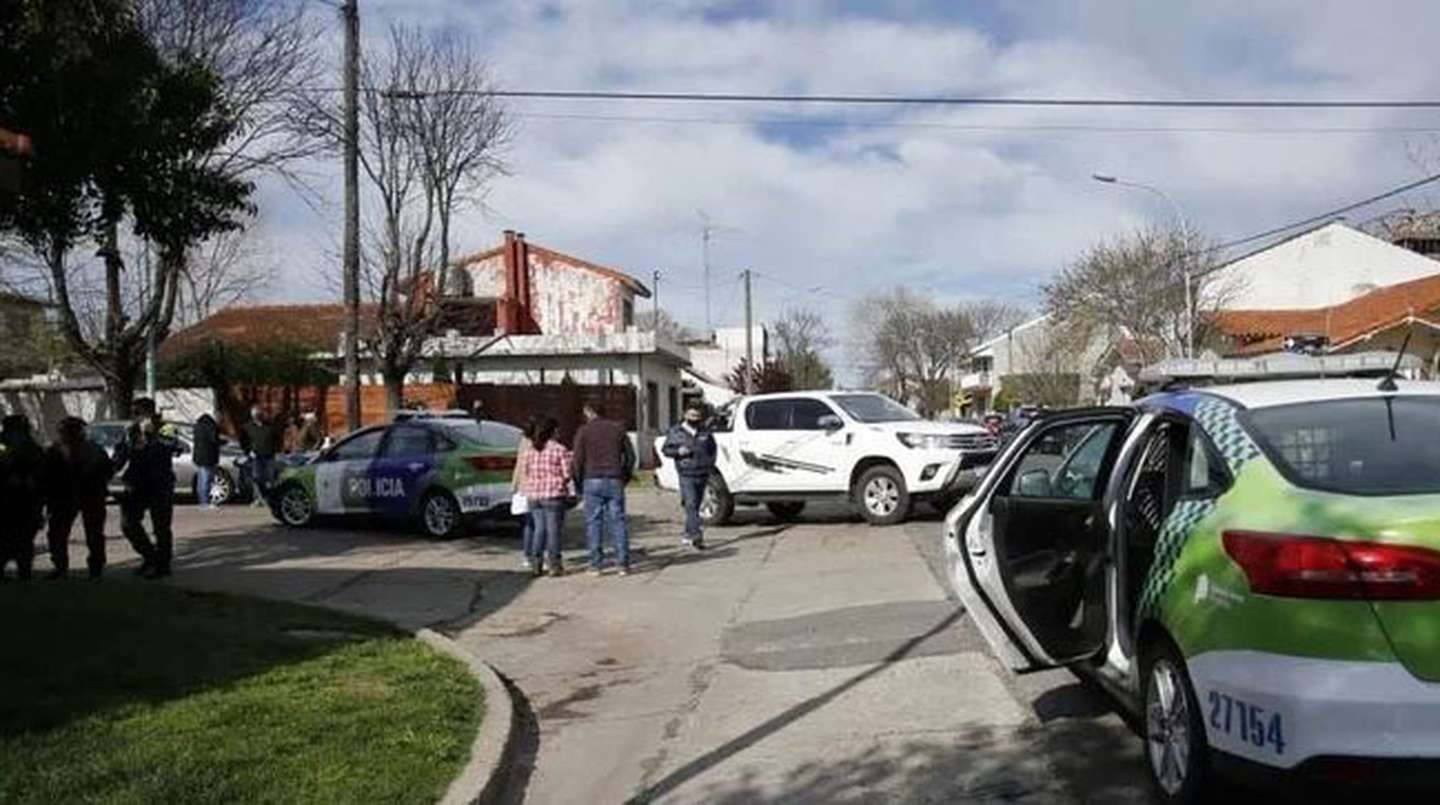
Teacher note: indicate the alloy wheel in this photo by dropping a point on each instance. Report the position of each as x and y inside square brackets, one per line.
[295, 508]
[882, 496]
[708, 504]
[440, 515]
[220, 489]
[1167, 727]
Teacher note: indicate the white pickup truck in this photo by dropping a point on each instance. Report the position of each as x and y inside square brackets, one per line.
[784, 450]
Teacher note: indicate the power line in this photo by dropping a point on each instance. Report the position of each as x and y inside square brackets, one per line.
[983, 127]
[1315, 219]
[926, 100]
[941, 100]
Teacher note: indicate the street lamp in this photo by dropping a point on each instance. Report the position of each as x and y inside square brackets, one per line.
[1107, 178]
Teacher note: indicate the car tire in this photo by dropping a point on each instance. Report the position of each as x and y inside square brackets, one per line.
[440, 516]
[293, 506]
[882, 496]
[717, 506]
[1176, 752]
[787, 510]
[222, 488]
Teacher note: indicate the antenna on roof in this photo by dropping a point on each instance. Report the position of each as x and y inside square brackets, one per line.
[1387, 383]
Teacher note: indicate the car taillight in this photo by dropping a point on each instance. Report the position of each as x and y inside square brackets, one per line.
[1321, 567]
[491, 463]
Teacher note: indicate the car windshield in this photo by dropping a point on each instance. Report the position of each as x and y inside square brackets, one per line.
[874, 408]
[1383, 445]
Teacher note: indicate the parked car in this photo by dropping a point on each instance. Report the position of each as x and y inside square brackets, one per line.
[437, 471]
[784, 450]
[1253, 570]
[230, 483]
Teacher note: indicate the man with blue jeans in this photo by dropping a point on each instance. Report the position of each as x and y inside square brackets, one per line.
[692, 447]
[604, 463]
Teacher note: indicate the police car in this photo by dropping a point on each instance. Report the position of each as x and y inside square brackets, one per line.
[437, 471]
[1253, 569]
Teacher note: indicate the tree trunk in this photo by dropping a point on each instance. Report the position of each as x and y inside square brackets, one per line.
[394, 390]
[120, 385]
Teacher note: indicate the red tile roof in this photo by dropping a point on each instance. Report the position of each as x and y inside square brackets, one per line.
[313, 328]
[1380, 309]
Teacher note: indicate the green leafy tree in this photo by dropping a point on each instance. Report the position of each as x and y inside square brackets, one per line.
[121, 140]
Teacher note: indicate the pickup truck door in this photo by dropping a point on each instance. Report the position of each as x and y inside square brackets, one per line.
[783, 448]
[1027, 555]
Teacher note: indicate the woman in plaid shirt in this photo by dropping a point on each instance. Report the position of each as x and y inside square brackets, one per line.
[546, 486]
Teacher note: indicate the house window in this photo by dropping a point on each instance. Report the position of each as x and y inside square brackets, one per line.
[982, 363]
[627, 314]
[652, 405]
[674, 401]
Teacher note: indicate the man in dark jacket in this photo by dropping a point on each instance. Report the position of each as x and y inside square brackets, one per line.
[146, 462]
[77, 475]
[692, 446]
[206, 456]
[21, 501]
[604, 462]
[257, 439]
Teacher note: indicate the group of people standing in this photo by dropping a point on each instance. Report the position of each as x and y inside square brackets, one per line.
[71, 479]
[550, 479]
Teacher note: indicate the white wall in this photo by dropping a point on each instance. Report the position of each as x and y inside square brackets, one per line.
[46, 407]
[1330, 265]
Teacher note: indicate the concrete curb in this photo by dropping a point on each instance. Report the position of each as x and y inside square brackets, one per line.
[481, 778]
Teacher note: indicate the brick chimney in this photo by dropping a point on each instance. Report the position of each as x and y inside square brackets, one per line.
[507, 313]
[524, 293]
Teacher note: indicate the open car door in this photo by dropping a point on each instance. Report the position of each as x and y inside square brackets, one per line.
[1027, 555]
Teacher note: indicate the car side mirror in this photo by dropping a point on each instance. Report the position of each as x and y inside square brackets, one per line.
[1035, 484]
[830, 423]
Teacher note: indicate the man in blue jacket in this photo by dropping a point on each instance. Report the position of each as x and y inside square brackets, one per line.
[692, 446]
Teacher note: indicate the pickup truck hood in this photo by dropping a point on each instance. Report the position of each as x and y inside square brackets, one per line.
[926, 426]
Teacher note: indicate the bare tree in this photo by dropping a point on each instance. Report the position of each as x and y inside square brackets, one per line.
[431, 139]
[664, 324]
[912, 347]
[801, 336]
[1135, 287]
[265, 53]
[223, 271]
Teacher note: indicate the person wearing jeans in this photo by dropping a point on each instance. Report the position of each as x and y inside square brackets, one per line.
[604, 463]
[691, 445]
[546, 486]
[529, 521]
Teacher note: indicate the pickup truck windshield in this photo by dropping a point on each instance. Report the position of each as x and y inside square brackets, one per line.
[1368, 446]
[874, 408]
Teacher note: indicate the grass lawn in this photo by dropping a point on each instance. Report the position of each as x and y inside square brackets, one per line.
[129, 692]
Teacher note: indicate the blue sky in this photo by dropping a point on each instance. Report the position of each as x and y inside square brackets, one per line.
[960, 203]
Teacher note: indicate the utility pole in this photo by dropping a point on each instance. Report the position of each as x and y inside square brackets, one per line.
[655, 322]
[351, 267]
[749, 341]
[705, 230]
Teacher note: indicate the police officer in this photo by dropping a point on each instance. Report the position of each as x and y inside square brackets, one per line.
[146, 458]
[20, 495]
[77, 476]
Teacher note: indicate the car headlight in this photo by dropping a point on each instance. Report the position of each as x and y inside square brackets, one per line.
[918, 441]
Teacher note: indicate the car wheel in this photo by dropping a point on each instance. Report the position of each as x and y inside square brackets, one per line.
[882, 496]
[786, 511]
[440, 516]
[1175, 748]
[716, 505]
[294, 508]
[222, 488]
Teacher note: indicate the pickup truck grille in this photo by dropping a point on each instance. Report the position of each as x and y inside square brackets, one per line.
[973, 441]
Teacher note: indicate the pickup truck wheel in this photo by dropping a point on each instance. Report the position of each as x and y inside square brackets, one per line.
[716, 506]
[787, 510]
[882, 496]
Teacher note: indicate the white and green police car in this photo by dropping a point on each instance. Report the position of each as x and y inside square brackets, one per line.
[437, 471]
[1253, 570]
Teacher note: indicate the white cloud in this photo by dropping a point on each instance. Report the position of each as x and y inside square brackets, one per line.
[963, 211]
